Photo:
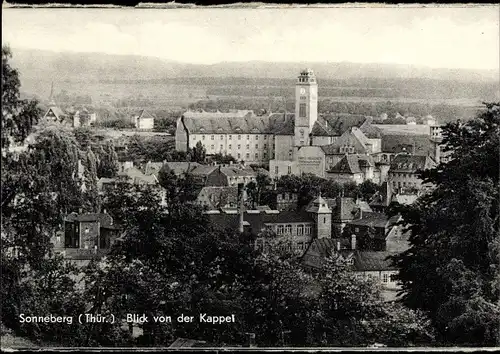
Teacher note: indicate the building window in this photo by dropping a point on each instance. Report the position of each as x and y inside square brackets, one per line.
[256, 156]
[239, 146]
[203, 137]
[385, 277]
[302, 142]
[222, 137]
[221, 146]
[324, 220]
[212, 137]
[212, 146]
[239, 155]
[392, 278]
[302, 110]
[288, 229]
[248, 137]
[301, 133]
[307, 230]
[230, 137]
[256, 137]
[265, 146]
[248, 146]
[256, 146]
[300, 230]
[280, 230]
[248, 155]
[265, 137]
[239, 137]
[229, 146]
[265, 154]
[276, 169]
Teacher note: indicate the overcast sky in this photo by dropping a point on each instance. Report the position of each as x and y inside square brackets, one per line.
[435, 37]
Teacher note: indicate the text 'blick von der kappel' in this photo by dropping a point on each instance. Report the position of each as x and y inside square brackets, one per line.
[201, 318]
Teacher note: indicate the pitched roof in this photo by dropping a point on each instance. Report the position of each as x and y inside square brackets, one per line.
[343, 208]
[257, 219]
[372, 261]
[58, 112]
[319, 205]
[104, 219]
[352, 163]
[235, 123]
[349, 135]
[235, 171]
[320, 249]
[339, 123]
[379, 220]
[403, 129]
[369, 130]
[395, 143]
[218, 195]
[203, 170]
[181, 167]
[348, 164]
[143, 114]
[322, 128]
[411, 163]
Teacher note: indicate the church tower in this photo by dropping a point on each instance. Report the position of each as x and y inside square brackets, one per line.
[306, 106]
[322, 216]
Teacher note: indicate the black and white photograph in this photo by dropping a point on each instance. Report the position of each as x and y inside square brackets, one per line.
[250, 177]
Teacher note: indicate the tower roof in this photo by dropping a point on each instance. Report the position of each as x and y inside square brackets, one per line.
[319, 206]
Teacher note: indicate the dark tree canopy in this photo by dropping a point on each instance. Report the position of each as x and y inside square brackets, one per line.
[18, 116]
[452, 269]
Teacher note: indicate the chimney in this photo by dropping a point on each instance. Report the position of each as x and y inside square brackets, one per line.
[240, 200]
[353, 242]
[251, 340]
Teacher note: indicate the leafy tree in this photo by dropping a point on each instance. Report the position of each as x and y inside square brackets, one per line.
[251, 189]
[108, 164]
[351, 312]
[367, 190]
[177, 189]
[198, 153]
[91, 193]
[451, 270]
[18, 116]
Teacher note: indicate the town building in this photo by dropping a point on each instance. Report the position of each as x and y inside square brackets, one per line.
[222, 197]
[364, 264]
[143, 120]
[403, 172]
[86, 236]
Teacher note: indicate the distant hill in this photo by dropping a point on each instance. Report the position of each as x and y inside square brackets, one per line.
[81, 67]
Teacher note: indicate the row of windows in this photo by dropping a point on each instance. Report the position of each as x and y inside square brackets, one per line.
[404, 175]
[404, 184]
[277, 170]
[346, 148]
[230, 137]
[230, 147]
[288, 229]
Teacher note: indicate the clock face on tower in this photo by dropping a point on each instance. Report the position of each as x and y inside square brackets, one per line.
[302, 91]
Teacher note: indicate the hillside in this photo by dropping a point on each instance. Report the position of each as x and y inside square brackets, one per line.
[46, 65]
